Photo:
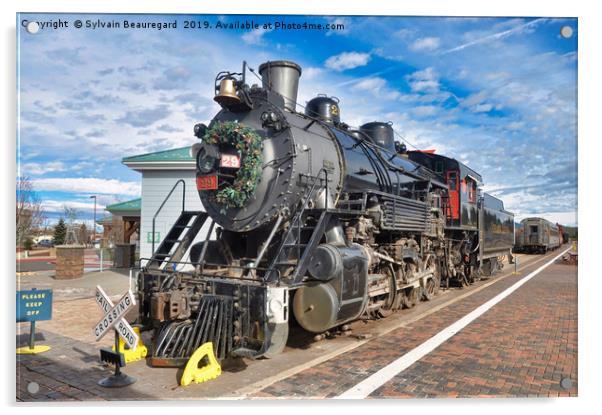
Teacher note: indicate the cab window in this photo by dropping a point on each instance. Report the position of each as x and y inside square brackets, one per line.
[472, 191]
[452, 180]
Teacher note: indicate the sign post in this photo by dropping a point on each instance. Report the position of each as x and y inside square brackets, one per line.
[33, 305]
[114, 319]
[515, 266]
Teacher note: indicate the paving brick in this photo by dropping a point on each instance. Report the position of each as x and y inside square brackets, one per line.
[522, 346]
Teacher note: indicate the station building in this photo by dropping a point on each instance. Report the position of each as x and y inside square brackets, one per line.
[160, 172]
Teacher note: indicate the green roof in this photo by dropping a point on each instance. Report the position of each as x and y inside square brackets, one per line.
[105, 220]
[176, 154]
[130, 206]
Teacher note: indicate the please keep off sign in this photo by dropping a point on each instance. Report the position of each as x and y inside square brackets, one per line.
[34, 305]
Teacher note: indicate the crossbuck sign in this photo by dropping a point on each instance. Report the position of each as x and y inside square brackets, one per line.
[114, 317]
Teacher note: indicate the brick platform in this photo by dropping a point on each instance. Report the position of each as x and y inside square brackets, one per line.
[523, 346]
[69, 262]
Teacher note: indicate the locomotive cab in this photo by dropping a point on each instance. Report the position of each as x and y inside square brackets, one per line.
[462, 187]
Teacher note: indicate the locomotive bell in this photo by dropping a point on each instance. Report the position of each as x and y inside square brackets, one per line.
[227, 93]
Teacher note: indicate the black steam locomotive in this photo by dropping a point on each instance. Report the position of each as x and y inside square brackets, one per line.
[316, 221]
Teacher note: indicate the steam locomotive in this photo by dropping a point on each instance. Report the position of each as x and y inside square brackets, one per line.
[313, 220]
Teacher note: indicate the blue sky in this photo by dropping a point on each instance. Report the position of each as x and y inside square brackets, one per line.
[496, 93]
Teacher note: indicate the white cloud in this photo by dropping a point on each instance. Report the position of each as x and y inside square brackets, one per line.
[59, 206]
[515, 125]
[371, 84]
[426, 43]
[538, 82]
[311, 73]
[498, 36]
[497, 76]
[378, 87]
[36, 169]
[425, 110]
[476, 102]
[88, 185]
[425, 80]
[255, 37]
[345, 21]
[482, 108]
[404, 33]
[347, 60]
[463, 74]
[564, 218]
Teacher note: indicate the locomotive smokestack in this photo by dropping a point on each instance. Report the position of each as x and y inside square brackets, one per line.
[282, 77]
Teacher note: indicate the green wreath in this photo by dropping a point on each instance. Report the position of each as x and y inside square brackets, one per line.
[249, 146]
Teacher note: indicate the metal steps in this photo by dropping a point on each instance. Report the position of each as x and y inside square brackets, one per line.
[178, 239]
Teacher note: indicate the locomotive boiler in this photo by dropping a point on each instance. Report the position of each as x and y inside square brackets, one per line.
[314, 221]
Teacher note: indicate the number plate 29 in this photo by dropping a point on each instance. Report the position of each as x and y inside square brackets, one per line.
[231, 161]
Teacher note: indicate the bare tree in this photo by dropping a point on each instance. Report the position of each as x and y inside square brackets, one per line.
[30, 214]
[82, 234]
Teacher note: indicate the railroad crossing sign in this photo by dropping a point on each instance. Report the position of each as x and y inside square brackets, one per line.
[114, 317]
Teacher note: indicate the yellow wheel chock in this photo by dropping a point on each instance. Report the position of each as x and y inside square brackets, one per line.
[192, 371]
[133, 355]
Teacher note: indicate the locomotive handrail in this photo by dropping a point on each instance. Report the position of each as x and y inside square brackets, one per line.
[265, 245]
[296, 217]
[163, 204]
[205, 245]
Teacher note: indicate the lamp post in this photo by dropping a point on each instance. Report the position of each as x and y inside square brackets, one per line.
[94, 223]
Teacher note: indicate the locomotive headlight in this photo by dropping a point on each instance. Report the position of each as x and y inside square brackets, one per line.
[270, 119]
[206, 158]
[199, 130]
[269, 116]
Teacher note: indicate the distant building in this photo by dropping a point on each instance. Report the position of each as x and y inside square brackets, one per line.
[106, 238]
[160, 172]
[123, 226]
